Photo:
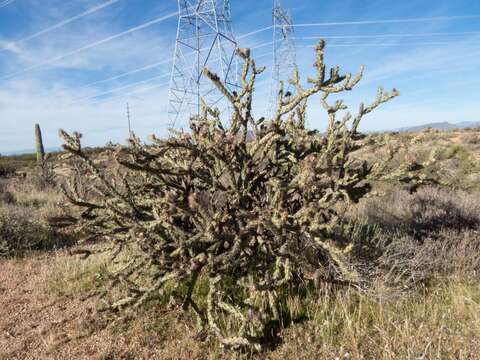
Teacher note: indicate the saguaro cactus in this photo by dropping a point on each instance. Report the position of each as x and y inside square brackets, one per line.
[39, 144]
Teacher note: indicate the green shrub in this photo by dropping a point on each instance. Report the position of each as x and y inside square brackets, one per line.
[456, 151]
[249, 211]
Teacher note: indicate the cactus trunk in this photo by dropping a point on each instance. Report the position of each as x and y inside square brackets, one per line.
[39, 144]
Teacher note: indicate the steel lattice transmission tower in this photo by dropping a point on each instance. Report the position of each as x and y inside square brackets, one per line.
[204, 39]
[284, 53]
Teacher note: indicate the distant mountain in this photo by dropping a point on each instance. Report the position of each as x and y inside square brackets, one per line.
[29, 151]
[467, 124]
[441, 126]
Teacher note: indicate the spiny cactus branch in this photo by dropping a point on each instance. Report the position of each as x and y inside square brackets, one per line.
[254, 217]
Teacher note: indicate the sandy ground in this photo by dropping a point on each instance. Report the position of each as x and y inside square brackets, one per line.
[35, 324]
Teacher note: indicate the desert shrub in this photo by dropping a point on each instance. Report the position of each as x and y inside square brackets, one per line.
[6, 170]
[471, 138]
[44, 177]
[457, 151]
[6, 197]
[17, 162]
[30, 192]
[462, 156]
[425, 212]
[448, 253]
[244, 213]
[20, 232]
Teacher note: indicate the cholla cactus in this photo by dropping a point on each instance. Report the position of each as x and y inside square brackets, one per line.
[251, 208]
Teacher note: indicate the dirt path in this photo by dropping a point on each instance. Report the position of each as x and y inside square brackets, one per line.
[36, 326]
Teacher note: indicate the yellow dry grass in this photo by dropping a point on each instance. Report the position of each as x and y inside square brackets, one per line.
[45, 313]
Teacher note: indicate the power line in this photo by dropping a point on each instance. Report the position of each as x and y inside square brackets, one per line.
[68, 21]
[157, 20]
[92, 45]
[142, 89]
[390, 21]
[153, 65]
[256, 57]
[158, 63]
[133, 92]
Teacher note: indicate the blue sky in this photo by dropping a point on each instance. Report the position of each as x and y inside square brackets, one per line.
[57, 77]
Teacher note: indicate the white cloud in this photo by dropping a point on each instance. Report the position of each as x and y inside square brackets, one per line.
[125, 52]
[100, 122]
[10, 46]
[427, 58]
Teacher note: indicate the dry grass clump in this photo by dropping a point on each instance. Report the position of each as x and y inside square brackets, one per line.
[6, 196]
[472, 138]
[28, 192]
[423, 213]
[440, 321]
[21, 233]
[422, 238]
[448, 254]
[75, 276]
[25, 207]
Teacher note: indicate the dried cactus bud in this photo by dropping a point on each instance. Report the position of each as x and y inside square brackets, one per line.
[192, 201]
[244, 53]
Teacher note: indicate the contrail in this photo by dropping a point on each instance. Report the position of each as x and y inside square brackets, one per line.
[92, 45]
[387, 35]
[123, 87]
[134, 71]
[254, 32]
[155, 64]
[158, 63]
[142, 89]
[5, 3]
[136, 91]
[390, 21]
[386, 45]
[69, 20]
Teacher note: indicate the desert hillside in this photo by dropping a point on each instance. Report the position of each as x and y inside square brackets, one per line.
[422, 300]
